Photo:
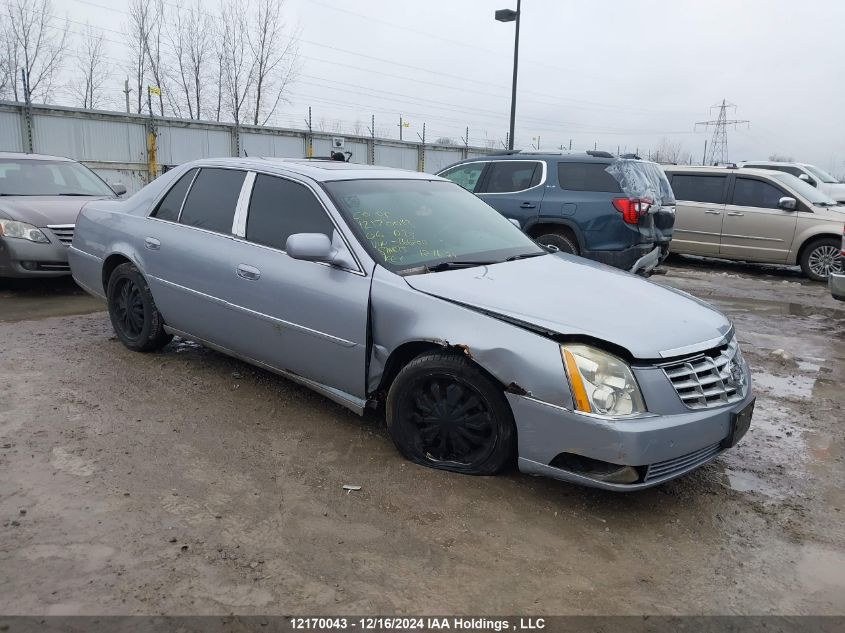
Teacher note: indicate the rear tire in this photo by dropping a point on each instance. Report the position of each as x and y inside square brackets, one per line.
[444, 412]
[564, 242]
[822, 257]
[134, 316]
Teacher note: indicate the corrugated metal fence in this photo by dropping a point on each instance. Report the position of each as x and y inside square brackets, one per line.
[115, 144]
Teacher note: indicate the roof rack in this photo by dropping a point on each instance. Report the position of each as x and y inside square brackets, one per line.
[506, 152]
[599, 153]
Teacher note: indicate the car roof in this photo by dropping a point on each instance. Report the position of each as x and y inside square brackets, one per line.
[769, 162]
[22, 156]
[316, 169]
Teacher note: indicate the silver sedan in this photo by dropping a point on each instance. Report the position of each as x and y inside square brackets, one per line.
[377, 287]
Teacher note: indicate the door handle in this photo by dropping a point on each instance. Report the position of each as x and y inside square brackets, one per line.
[249, 273]
[713, 212]
[527, 205]
[152, 243]
[735, 213]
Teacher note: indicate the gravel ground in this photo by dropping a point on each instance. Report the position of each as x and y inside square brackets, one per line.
[185, 482]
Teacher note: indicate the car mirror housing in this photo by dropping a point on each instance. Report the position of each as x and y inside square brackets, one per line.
[807, 179]
[119, 188]
[787, 204]
[311, 247]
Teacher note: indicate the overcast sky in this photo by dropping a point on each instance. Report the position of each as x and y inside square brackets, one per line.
[611, 72]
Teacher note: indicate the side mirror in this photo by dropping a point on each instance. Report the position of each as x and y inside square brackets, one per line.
[787, 204]
[311, 247]
[317, 247]
[807, 179]
[118, 188]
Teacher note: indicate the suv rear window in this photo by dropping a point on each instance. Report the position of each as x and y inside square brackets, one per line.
[586, 177]
[695, 188]
[507, 176]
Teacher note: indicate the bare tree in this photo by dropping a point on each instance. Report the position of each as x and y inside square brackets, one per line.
[670, 152]
[357, 127]
[781, 158]
[137, 31]
[87, 89]
[6, 74]
[237, 67]
[444, 140]
[274, 59]
[34, 44]
[190, 39]
[153, 48]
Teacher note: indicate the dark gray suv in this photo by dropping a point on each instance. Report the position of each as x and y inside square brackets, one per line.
[618, 211]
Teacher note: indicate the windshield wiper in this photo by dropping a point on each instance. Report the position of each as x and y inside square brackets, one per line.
[455, 265]
[513, 258]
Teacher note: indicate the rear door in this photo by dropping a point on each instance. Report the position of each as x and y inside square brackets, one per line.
[754, 227]
[699, 212]
[514, 188]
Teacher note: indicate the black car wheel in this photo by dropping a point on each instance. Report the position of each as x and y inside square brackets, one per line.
[134, 317]
[821, 258]
[445, 413]
[561, 241]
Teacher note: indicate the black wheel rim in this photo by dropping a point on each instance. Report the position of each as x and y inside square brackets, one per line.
[447, 421]
[129, 308]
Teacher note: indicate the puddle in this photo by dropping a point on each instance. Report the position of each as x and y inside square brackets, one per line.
[796, 386]
[749, 482]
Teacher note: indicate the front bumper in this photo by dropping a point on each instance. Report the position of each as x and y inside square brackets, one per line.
[659, 446]
[22, 258]
[837, 286]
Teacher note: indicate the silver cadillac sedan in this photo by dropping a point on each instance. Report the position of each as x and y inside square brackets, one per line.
[376, 286]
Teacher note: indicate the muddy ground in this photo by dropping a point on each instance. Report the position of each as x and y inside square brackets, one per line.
[187, 482]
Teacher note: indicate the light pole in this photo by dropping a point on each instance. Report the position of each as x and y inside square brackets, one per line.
[509, 15]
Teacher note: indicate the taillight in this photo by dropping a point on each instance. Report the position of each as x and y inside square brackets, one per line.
[632, 209]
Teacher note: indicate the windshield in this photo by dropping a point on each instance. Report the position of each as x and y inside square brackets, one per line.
[820, 174]
[49, 178]
[411, 223]
[805, 190]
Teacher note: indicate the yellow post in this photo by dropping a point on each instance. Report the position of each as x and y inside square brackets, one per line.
[152, 155]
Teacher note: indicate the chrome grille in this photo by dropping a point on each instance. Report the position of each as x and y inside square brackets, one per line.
[680, 464]
[709, 380]
[64, 232]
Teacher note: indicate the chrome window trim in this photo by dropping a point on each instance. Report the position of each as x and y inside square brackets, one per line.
[517, 160]
[242, 205]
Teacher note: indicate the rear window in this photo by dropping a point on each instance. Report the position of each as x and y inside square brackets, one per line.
[212, 200]
[696, 188]
[168, 208]
[586, 177]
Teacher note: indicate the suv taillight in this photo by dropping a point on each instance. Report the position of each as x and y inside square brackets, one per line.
[632, 209]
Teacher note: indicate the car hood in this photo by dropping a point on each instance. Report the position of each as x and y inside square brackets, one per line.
[44, 210]
[570, 295]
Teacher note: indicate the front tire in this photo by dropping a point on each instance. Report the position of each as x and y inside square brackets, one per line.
[134, 316]
[821, 258]
[444, 412]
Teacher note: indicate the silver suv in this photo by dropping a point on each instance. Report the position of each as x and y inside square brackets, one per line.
[756, 215]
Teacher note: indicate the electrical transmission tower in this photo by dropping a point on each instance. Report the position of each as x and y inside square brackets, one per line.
[717, 152]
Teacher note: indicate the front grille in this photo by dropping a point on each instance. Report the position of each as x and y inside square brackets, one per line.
[709, 379]
[64, 232]
[680, 464]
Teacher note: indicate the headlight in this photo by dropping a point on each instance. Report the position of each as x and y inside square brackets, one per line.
[22, 230]
[601, 383]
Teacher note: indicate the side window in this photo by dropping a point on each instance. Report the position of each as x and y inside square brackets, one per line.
[509, 176]
[586, 177]
[168, 208]
[279, 208]
[465, 175]
[755, 193]
[699, 188]
[211, 203]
